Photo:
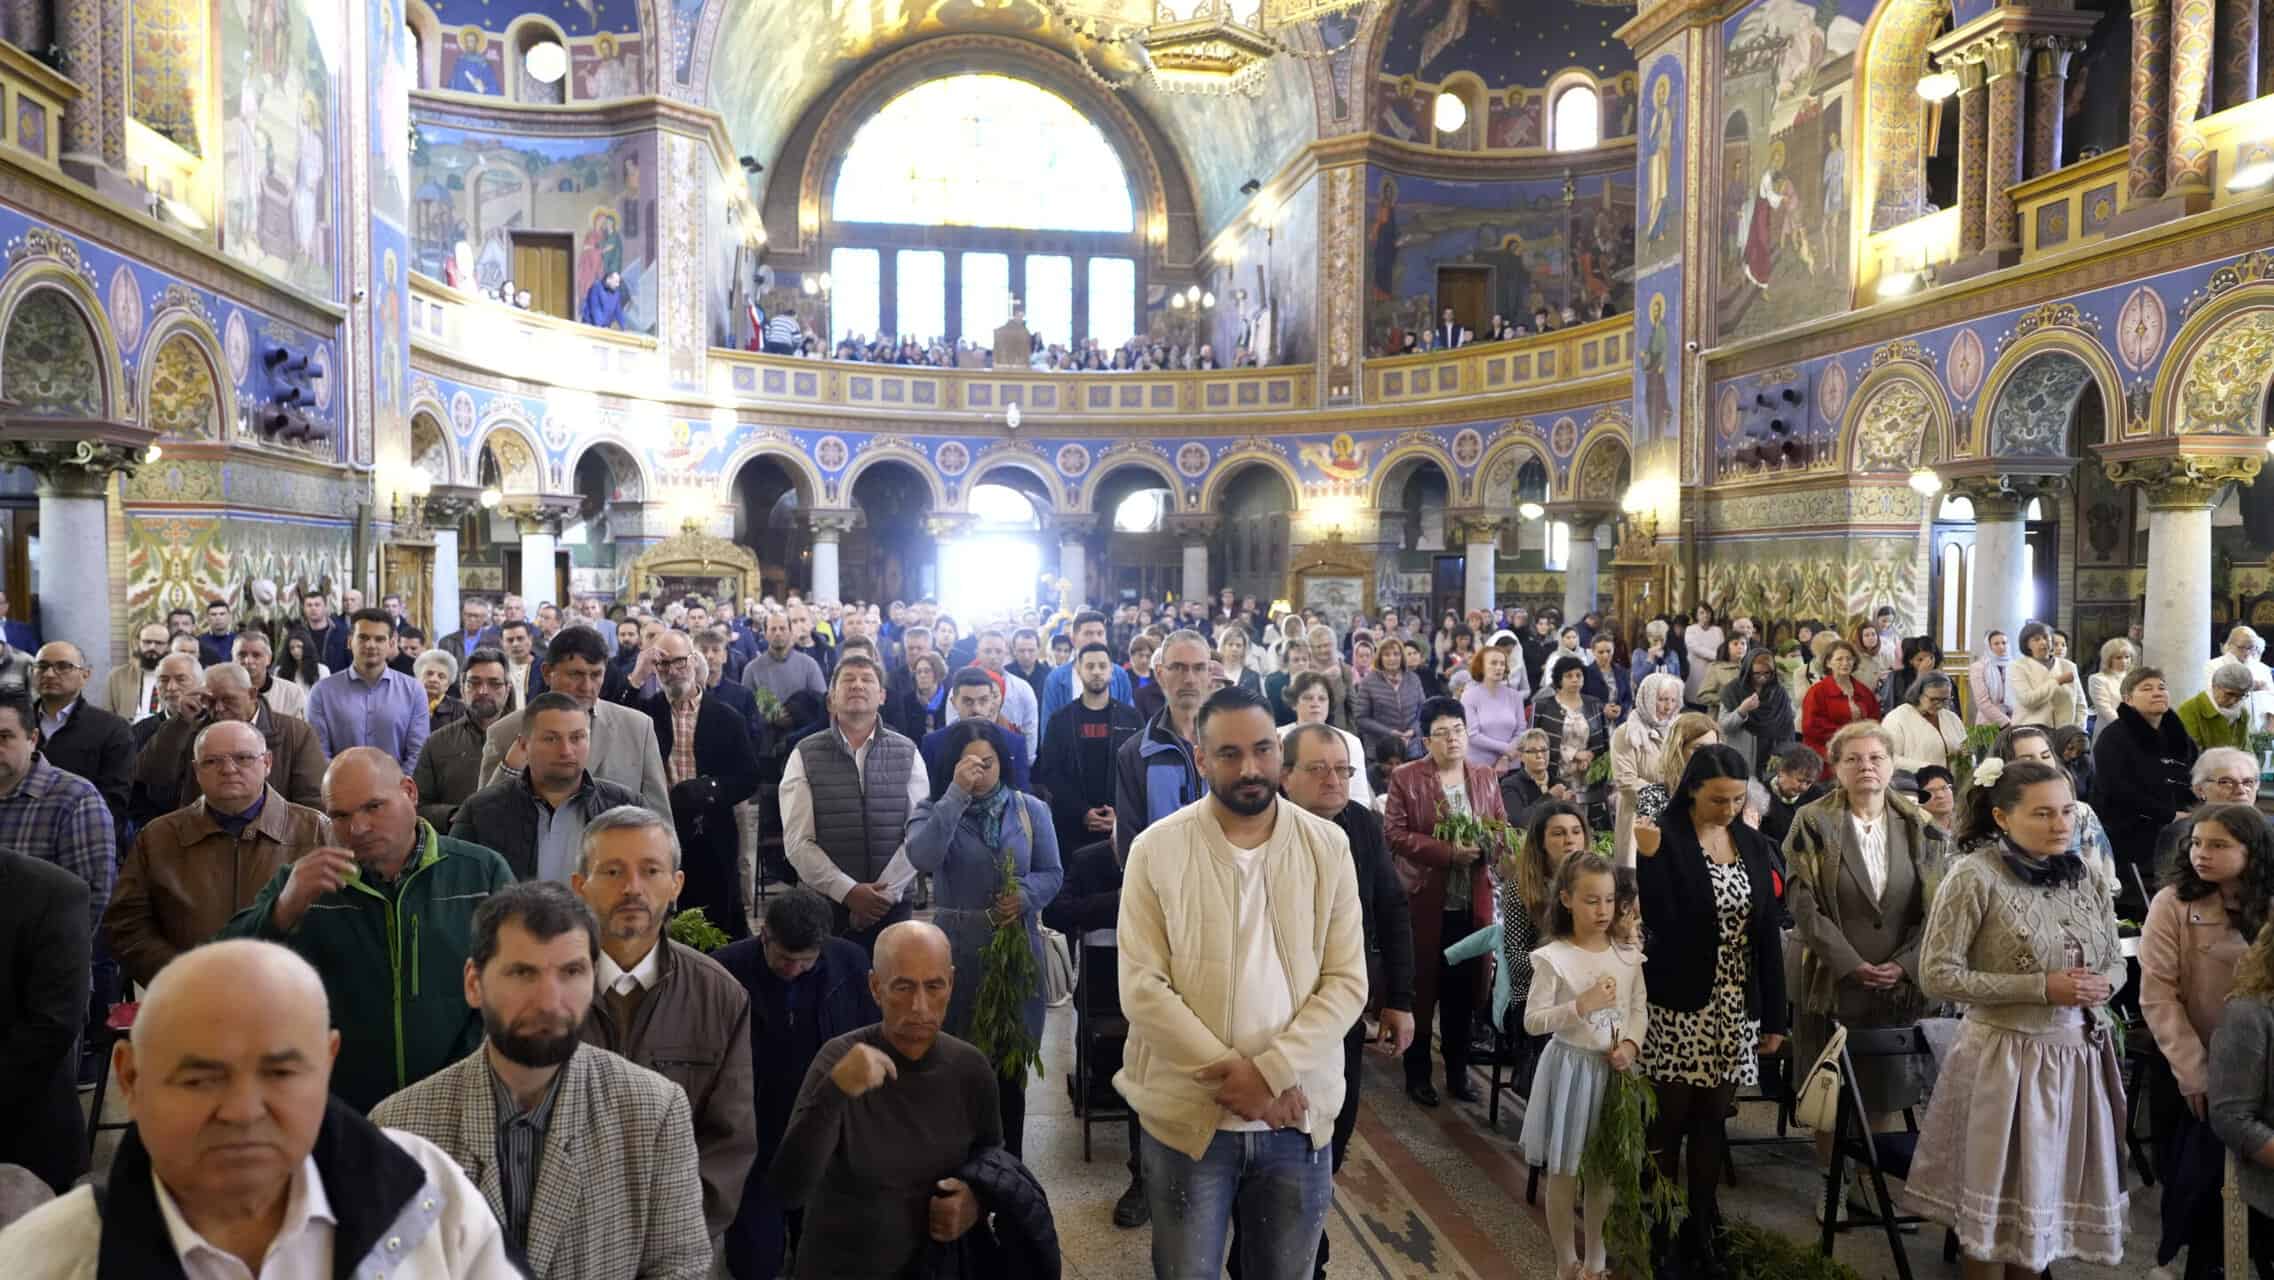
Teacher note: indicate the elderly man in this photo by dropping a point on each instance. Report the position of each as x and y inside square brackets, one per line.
[806, 988]
[847, 794]
[709, 757]
[240, 1159]
[45, 954]
[887, 1116]
[535, 819]
[193, 869]
[588, 1160]
[1243, 968]
[164, 779]
[179, 687]
[975, 695]
[77, 736]
[384, 920]
[370, 704]
[623, 740]
[450, 764]
[475, 632]
[1156, 772]
[2246, 649]
[2220, 715]
[665, 1006]
[284, 697]
[130, 691]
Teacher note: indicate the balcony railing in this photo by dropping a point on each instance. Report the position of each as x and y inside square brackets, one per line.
[1539, 360]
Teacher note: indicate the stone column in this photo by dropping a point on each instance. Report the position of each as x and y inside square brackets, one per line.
[2000, 600]
[2002, 157]
[1193, 534]
[76, 461]
[2187, 168]
[1581, 585]
[1074, 555]
[1973, 132]
[2238, 72]
[828, 527]
[2151, 71]
[2175, 633]
[446, 507]
[1478, 536]
[2048, 101]
[539, 521]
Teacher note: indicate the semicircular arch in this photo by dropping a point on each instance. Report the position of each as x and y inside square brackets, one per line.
[35, 275]
[2219, 367]
[1881, 433]
[1595, 470]
[1157, 467]
[842, 491]
[180, 324]
[1238, 460]
[2029, 401]
[508, 436]
[430, 445]
[1514, 443]
[795, 462]
[1008, 456]
[625, 461]
[1401, 461]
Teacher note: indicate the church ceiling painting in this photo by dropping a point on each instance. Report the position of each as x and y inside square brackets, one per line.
[1505, 42]
[278, 180]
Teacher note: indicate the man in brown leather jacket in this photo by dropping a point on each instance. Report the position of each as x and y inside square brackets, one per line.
[163, 777]
[190, 870]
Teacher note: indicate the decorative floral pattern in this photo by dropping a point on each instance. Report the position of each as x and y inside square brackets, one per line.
[49, 365]
[2034, 407]
[183, 400]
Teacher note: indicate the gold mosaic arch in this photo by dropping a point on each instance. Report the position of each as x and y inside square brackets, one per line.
[841, 493]
[33, 274]
[1212, 489]
[1102, 467]
[520, 458]
[1882, 429]
[2217, 370]
[1508, 441]
[643, 483]
[804, 478]
[1595, 476]
[1890, 169]
[182, 326]
[1390, 463]
[2065, 341]
[1005, 454]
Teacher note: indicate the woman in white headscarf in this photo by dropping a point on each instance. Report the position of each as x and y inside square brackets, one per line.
[1637, 748]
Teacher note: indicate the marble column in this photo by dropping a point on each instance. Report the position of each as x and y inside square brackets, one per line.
[76, 461]
[540, 524]
[2151, 71]
[2002, 154]
[2001, 596]
[2238, 73]
[1480, 551]
[2187, 168]
[1581, 587]
[2175, 632]
[446, 508]
[828, 532]
[1195, 566]
[1973, 132]
[1074, 556]
[2048, 101]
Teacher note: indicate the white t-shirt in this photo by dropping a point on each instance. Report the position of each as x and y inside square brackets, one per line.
[1262, 1003]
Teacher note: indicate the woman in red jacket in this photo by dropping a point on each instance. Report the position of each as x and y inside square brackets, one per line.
[1448, 887]
[1836, 701]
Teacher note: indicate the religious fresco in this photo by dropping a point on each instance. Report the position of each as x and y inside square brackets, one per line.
[1786, 129]
[167, 76]
[1506, 42]
[1540, 250]
[1265, 293]
[1658, 355]
[278, 181]
[1221, 149]
[183, 400]
[573, 17]
[50, 366]
[1659, 164]
[392, 74]
[1514, 119]
[478, 187]
[603, 64]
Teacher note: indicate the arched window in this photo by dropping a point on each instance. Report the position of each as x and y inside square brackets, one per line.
[981, 159]
[1577, 123]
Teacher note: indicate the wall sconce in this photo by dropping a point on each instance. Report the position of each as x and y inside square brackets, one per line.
[1925, 482]
[1935, 86]
[1531, 510]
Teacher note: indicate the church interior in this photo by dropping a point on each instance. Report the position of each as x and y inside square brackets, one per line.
[1809, 311]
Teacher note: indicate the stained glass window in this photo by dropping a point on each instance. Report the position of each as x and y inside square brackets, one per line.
[983, 151]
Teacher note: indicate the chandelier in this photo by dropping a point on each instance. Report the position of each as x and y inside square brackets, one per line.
[1209, 46]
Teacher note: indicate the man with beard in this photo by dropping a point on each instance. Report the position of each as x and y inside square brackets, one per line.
[593, 1157]
[1075, 764]
[382, 916]
[131, 689]
[1242, 968]
[450, 764]
[708, 758]
[666, 1006]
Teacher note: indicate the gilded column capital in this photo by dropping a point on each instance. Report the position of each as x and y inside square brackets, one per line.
[1465, 527]
[446, 504]
[2004, 495]
[2182, 482]
[1582, 516]
[75, 457]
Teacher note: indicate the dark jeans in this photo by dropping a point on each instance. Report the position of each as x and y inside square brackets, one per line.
[1275, 1182]
[843, 922]
[1010, 1096]
[1345, 1124]
[1456, 1006]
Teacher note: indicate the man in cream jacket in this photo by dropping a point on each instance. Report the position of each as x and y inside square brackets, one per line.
[1242, 968]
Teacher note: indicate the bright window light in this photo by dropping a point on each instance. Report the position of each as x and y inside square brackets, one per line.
[1558, 550]
[986, 295]
[1000, 504]
[855, 280]
[1113, 300]
[1578, 124]
[1141, 512]
[988, 576]
[936, 156]
[922, 292]
[1050, 299]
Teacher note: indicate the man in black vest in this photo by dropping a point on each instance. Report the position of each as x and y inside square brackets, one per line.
[846, 795]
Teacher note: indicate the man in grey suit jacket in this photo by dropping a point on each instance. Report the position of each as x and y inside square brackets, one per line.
[624, 749]
[588, 1161]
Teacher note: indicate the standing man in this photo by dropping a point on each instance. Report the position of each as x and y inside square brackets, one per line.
[284, 697]
[786, 673]
[474, 631]
[1021, 710]
[44, 958]
[1155, 772]
[450, 764]
[805, 640]
[587, 1160]
[51, 815]
[179, 690]
[78, 737]
[709, 760]
[523, 678]
[623, 740]
[384, 917]
[1058, 687]
[847, 794]
[131, 688]
[22, 636]
[1266, 895]
[213, 643]
[370, 704]
[1079, 745]
[327, 640]
[1027, 663]
[665, 1006]
[535, 819]
[164, 779]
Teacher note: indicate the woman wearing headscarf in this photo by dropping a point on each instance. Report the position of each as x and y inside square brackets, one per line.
[1986, 680]
[1636, 749]
[1701, 643]
[1756, 712]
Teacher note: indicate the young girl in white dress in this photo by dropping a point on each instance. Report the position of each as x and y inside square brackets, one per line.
[1587, 993]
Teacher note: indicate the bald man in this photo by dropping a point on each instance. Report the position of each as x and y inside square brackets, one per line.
[240, 1163]
[384, 915]
[886, 1118]
[193, 869]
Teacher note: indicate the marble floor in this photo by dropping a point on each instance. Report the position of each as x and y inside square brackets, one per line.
[1429, 1193]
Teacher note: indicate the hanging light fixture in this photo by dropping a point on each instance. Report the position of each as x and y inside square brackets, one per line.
[1935, 86]
[545, 62]
[1531, 510]
[1925, 482]
[1450, 113]
[491, 497]
[1206, 46]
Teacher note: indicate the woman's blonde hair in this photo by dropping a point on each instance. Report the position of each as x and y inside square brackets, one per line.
[1682, 737]
[2254, 973]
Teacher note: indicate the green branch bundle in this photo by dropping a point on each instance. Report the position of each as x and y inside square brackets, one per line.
[691, 928]
[998, 1020]
[1489, 835]
[1618, 1148]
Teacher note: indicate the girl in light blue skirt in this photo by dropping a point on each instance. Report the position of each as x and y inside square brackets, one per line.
[1587, 994]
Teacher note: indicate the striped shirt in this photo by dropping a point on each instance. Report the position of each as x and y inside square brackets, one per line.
[59, 817]
[520, 1144]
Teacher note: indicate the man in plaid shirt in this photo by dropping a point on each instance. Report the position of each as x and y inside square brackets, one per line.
[49, 814]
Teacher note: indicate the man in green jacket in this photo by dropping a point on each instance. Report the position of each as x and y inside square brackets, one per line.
[388, 922]
[2220, 715]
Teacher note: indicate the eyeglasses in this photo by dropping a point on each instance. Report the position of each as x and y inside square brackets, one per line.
[44, 667]
[237, 760]
[1453, 734]
[2232, 784]
[1320, 769]
[671, 664]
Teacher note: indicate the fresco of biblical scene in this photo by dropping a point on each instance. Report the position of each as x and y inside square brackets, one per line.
[1515, 48]
[483, 191]
[1787, 127]
[1658, 160]
[1530, 249]
[603, 38]
[277, 178]
[1264, 294]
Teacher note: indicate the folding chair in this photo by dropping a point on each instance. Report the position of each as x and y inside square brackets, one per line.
[115, 1028]
[1099, 1023]
[1883, 1154]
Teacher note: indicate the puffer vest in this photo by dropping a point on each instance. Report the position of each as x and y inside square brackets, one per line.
[859, 827]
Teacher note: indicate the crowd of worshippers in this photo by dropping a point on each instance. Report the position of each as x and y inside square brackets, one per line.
[375, 931]
[783, 335]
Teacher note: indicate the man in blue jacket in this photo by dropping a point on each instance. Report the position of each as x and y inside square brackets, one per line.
[604, 302]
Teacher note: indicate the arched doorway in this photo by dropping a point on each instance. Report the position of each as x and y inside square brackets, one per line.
[607, 530]
[1141, 560]
[1254, 534]
[1417, 569]
[890, 553]
[993, 567]
[769, 518]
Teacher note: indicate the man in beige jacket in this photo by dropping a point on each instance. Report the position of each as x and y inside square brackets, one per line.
[1242, 967]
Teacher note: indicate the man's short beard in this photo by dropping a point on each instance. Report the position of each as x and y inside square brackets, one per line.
[1241, 807]
[529, 1051]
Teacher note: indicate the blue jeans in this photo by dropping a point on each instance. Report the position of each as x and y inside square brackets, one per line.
[1277, 1182]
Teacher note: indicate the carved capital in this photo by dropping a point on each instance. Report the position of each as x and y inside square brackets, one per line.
[1073, 526]
[74, 457]
[541, 515]
[2004, 494]
[830, 525]
[948, 525]
[2185, 482]
[1583, 516]
[1195, 528]
[447, 504]
[1465, 527]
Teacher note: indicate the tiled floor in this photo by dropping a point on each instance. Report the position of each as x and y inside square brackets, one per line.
[1436, 1193]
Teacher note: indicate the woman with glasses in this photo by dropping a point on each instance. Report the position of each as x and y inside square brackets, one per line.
[1448, 885]
[1924, 728]
[1531, 783]
[1311, 697]
[1574, 723]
